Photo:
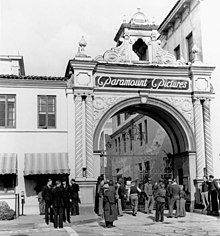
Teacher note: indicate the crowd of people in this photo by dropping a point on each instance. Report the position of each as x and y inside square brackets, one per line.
[59, 202]
[112, 198]
[210, 194]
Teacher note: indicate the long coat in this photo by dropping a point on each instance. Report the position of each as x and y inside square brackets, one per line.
[109, 205]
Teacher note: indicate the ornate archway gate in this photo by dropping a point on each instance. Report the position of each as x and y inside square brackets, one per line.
[173, 93]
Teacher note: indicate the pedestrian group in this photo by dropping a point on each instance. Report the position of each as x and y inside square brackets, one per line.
[112, 199]
[60, 201]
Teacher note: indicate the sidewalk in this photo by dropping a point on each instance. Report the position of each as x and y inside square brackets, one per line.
[87, 215]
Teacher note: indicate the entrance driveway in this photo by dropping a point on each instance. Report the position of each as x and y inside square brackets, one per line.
[88, 224]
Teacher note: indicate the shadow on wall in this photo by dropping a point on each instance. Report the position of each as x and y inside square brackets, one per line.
[35, 183]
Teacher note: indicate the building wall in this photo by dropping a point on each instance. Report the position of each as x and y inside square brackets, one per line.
[27, 137]
[189, 21]
[132, 162]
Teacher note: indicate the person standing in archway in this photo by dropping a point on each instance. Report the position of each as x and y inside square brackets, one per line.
[133, 195]
[175, 198]
[109, 205]
[205, 193]
[149, 198]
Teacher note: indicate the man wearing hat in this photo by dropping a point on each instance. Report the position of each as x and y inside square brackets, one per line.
[47, 196]
[149, 198]
[109, 206]
[58, 204]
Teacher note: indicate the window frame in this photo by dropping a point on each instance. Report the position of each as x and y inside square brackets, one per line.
[124, 142]
[140, 133]
[118, 119]
[177, 52]
[38, 112]
[189, 47]
[146, 130]
[6, 112]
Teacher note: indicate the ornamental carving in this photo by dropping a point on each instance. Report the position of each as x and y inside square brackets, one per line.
[102, 104]
[183, 105]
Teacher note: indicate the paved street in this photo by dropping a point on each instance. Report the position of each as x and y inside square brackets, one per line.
[88, 224]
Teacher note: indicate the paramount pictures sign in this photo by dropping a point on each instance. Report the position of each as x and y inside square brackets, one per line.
[144, 83]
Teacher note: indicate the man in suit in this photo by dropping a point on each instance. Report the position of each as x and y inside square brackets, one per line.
[175, 198]
[66, 198]
[74, 197]
[213, 190]
[47, 197]
[149, 200]
[58, 204]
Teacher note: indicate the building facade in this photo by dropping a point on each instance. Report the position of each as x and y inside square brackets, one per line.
[139, 148]
[54, 126]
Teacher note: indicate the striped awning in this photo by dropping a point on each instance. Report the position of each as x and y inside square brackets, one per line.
[46, 163]
[8, 163]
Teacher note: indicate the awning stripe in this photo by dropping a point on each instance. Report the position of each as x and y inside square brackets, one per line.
[46, 163]
[8, 163]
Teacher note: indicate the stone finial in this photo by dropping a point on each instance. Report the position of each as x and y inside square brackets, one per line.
[81, 50]
[82, 43]
[195, 51]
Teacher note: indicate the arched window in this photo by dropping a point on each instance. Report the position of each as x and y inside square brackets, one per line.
[141, 49]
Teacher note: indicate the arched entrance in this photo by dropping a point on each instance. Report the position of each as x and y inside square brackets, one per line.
[168, 117]
[173, 122]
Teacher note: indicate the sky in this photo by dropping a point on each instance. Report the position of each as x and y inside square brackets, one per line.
[46, 33]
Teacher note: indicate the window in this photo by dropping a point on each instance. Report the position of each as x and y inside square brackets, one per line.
[7, 183]
[177, 52]
[7, 111]
[119, 144]
[124, 140]
[130, 137]
[146, 131]
[118, 119]
[127, 115]
[140, 166]
[140, 133]
[116, 145]
[147, 166]
[189, 40]
[46, 111]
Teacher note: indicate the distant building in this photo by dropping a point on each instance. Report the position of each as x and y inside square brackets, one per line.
[139, 149]
[12, 65]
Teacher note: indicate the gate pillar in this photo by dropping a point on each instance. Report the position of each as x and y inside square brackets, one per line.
[200, 141]
[208, 137]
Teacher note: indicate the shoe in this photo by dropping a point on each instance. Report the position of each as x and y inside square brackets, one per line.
[109, 226]
[150, 212]
[134, 214]
[68, 221]
[47, 222]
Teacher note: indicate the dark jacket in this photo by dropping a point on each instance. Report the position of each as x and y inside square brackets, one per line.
[74, 191]
[160, 195]
[175, 191]
[47, 193]
[58, 197]
[109, 205]
[66, 193]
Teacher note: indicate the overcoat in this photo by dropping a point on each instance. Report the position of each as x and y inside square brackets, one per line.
[109, 205]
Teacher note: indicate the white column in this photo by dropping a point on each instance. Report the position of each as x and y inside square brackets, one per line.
[199, 134]
[208, 137]
[71, 131]
[84, 132]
